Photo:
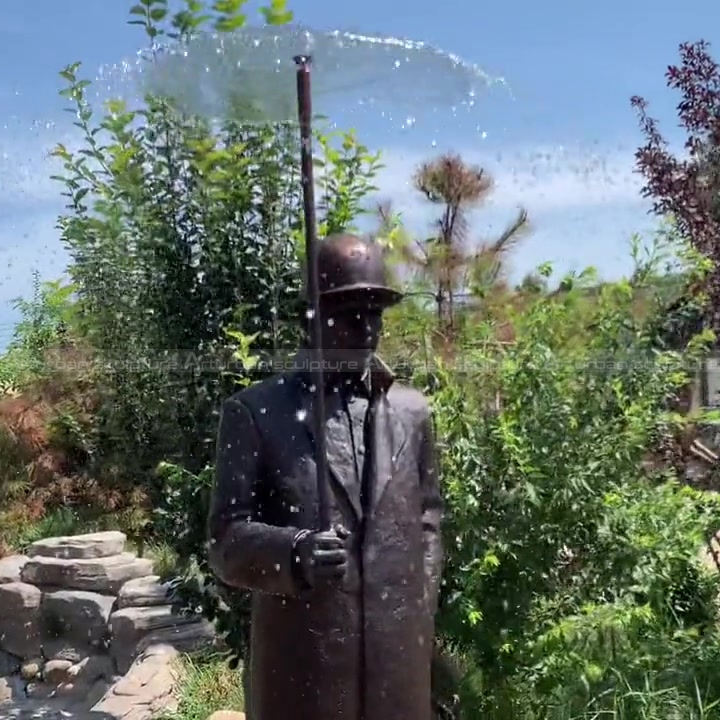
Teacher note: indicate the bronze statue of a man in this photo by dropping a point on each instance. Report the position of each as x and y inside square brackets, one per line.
[342, 621]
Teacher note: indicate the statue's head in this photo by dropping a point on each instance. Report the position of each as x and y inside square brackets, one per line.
[354, 293]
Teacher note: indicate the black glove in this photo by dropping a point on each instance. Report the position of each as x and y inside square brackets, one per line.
[321, 557]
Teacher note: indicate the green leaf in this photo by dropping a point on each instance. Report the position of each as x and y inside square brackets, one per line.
[231, 23]
[228, 7]
[276, 17]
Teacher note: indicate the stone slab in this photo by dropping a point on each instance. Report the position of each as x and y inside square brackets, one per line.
[131, 625]
[80, 547]
[147, 690]
[101, 575]
[143, 592]
[79, 617]
[11, 567]
[20, 628]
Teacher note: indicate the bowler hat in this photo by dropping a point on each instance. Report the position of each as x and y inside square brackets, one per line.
[354, 270]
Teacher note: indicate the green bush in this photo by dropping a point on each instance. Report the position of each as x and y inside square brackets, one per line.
[44, 320]
[180, 230]
[574, 586]
[573, 579]
[186, 238]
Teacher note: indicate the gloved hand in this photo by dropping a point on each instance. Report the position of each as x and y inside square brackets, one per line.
[321, 557]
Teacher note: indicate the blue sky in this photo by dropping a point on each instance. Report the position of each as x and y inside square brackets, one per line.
[562, 145]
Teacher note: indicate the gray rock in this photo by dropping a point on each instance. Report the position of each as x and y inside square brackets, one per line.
[39, 691]
[77, 616]
[62, 650]
[11, 567]
[12, 689]
[187, 638]
[20, 619]
[55, 710]
[9, 664]
[92, 669]
[101, 575]
[56, 672]
[93, 695]
[80, 547]
[148, 688]
[129, 626]
[31, 669]
[143, 592]
[68, 689]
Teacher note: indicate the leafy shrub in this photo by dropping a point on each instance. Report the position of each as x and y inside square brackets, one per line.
[574, 586]
[179, 230]
[569, 571]
[43, 323]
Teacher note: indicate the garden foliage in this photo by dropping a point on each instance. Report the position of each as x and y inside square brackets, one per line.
[574, 585]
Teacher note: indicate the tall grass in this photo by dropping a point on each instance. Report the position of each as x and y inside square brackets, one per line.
[207, 685]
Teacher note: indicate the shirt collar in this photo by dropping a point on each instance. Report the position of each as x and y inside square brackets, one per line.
[377, 378]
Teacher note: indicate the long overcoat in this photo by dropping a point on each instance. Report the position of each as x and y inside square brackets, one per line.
[361, 650]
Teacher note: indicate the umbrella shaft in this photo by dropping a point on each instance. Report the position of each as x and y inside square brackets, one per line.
[318, 381]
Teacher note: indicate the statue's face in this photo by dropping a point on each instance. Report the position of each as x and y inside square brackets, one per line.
[352, 330]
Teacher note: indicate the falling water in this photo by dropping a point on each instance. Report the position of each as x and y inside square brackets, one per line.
[377, 84]
[214, 74]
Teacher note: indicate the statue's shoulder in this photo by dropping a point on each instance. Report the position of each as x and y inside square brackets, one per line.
[409, 402]
[272, 391]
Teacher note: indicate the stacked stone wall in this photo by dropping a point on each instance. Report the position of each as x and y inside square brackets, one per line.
[85, 627]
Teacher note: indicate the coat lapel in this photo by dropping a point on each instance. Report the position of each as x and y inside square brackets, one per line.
[388, 442]
[339, 450]
[389, 438]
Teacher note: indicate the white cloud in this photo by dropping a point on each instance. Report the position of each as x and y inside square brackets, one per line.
[542, 179]
[584, 203]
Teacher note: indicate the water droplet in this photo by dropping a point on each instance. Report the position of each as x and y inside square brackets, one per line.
[301, 415]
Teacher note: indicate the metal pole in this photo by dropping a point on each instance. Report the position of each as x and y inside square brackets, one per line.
[303, 63]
